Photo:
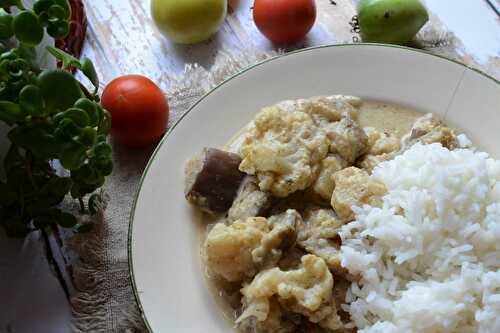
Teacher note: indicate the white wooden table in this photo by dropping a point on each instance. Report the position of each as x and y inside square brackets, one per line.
[122, 40]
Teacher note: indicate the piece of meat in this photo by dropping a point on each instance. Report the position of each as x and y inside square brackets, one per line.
[282, 237]
[295, 201]
[319, 235]
[429, 129]
[212, 180]
[353, 187]
[291, 259]
[250, 201]
[347, 139]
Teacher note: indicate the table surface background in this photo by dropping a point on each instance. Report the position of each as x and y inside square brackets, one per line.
[119, 43]
[122, 39]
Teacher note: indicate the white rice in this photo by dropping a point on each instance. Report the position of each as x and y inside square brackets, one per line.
[429, 259]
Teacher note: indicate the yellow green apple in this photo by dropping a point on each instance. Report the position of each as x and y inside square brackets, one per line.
[391, 21]
[188, 21]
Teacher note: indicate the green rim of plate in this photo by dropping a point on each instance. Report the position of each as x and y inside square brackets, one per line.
[309, 49]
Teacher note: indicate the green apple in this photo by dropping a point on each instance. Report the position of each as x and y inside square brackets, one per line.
[188, 21]
[391, 21]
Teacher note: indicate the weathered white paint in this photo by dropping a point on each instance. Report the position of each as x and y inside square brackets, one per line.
[123, 39]
[475, 23]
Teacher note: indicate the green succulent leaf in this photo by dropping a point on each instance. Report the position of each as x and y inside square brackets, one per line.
[105, 124]
[11, 3]
[41, 6]
[56, 188]
[46, 6]
[105, 166]
[27, 28]
[102, 151]
[65, 4]
[27, 53]
[89, 71]
[67, 129]
[88, 136]
[57, 12]
[72, 156]
[6, 25]
[36, 137]
[52, 82]
[58, 30]
[11, 113]
[93, 111]
[78, 116]
[67, 59]
[31, 101]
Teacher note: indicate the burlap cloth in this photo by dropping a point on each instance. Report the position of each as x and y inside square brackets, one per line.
[104, 301]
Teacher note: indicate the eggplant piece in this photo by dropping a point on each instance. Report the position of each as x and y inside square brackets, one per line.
[213, 179]
[250, 201]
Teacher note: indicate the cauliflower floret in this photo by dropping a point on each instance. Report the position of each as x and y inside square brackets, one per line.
[228, 249]
[267, 318]
[353, 187]
[382, 146]
[308, 288]
[381, 142]
[319, 235]
[284, 149]
[347, 139]
[369, 162]
[324, 185]
[306, 291]
[325, 109]
[239, 250]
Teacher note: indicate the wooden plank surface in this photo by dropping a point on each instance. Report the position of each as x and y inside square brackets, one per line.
[122, 37]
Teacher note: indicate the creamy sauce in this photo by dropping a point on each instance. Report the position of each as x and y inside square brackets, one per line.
[387, 117]
[392, 118]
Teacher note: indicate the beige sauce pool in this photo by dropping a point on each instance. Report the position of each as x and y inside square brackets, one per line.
[392, 118]
[387, 117]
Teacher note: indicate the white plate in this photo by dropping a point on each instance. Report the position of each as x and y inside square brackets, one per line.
[163, 238]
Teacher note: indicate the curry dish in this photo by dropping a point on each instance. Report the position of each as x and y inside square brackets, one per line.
[279, 193]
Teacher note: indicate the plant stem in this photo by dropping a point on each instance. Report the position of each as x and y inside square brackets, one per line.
[28, 163]
[86, 92]
[82, 205]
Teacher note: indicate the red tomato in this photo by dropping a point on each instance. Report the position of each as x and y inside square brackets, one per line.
[139, 110]
[284, 21]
